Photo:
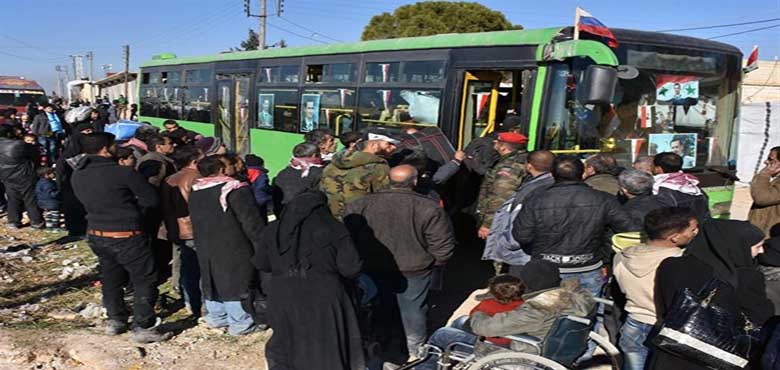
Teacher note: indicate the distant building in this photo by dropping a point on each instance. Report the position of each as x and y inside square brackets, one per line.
[763, 84]
[114, 85]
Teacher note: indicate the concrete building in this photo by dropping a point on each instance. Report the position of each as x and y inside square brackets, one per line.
[762, 84]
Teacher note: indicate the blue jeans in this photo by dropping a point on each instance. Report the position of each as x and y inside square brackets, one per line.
[633, 334]
[189, 277]
[443, 337]
[413, 304]
[592, 281]
[51, 145]
[230, 315]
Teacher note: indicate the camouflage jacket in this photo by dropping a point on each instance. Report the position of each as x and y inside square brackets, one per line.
[351, 175]
[500, 183]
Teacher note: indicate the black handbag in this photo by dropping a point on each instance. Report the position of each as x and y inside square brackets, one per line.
[699, 331]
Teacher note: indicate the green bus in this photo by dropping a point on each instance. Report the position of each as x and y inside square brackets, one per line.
[655, 92]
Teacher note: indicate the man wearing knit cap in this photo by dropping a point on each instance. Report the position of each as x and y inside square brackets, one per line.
[501, 180]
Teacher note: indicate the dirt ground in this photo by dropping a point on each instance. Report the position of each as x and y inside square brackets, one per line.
[51, 318]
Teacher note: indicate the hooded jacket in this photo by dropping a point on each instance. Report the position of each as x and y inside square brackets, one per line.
[634, 270]
[351, 175]
[114, 196]
[536, 316]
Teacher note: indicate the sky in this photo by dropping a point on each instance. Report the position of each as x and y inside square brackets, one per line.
[38, 35]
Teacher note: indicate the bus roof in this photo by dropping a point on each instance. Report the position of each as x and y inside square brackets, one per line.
[452, 40]
[496, 38]
[18, 83]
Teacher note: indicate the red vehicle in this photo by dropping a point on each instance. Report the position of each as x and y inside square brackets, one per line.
[16, 92]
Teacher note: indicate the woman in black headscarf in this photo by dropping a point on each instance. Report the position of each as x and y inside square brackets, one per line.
[724, 249]
[310, 255]
[72, 209]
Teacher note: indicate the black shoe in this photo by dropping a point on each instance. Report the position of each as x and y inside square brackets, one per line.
[150, 335]
[115, 327]
[14, 226]
[39, 226]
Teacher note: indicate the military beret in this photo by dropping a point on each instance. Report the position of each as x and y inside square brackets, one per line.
[512, 138]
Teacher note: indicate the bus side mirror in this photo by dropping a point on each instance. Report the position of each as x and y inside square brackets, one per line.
[598, 86]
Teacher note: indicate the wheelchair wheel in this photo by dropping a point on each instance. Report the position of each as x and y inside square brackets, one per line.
[514, 361]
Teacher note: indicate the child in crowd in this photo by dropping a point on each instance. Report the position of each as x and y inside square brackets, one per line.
[258, 178]
[506, 293]
[40, 152]
[48, 194]
[125, 157]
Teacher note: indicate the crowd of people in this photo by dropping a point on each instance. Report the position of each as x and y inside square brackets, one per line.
[339, 251]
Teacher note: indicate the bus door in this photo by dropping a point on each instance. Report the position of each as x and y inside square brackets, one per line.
[233, 115]
[479, 104]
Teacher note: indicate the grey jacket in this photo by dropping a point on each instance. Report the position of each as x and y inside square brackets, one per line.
[40, 125]
[536, 316]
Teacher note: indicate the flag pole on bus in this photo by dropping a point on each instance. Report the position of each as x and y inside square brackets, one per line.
[586, 22]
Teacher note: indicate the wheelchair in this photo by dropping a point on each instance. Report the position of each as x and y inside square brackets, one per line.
[566, 341]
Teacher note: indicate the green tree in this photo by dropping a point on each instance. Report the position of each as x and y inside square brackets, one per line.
[252, 42]
[435, 17]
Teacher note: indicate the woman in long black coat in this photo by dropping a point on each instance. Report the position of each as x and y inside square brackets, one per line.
[723, 250]
[310, 254]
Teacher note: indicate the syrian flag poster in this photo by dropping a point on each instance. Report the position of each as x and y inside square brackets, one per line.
[677, 90]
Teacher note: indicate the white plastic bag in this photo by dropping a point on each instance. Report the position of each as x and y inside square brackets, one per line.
[77, 114]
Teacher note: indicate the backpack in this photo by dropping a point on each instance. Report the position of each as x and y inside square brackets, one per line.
[501, 246]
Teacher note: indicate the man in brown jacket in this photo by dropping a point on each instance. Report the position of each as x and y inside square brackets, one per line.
[765, 190]
[175, 194]
[600, 173]
[401, 235]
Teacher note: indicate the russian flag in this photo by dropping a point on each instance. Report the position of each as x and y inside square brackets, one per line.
[586, 22]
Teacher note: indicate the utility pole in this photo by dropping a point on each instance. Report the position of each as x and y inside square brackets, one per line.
[263, 16]
[91, 57]
[126, 55]
[58, 68]
[73, 60]
[261, 32]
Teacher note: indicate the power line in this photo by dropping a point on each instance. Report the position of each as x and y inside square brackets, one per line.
[310, 30]
[295, 33]
[746, 31]
[720, 25]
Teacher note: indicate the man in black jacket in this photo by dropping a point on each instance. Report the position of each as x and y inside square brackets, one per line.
[17, 173]
[115, 197]
[565, 224]
[401, 235]
[637, 186]
[226, 226]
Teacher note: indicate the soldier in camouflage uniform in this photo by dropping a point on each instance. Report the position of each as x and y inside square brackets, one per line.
[354, 173]
[501, 180]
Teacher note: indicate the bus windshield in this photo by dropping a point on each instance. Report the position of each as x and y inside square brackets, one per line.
[16, 99]
[680, 101]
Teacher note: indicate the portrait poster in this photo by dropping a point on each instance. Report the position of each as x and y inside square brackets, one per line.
[265, 111]
[683, 145]
[677, 90]
[310, 112]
